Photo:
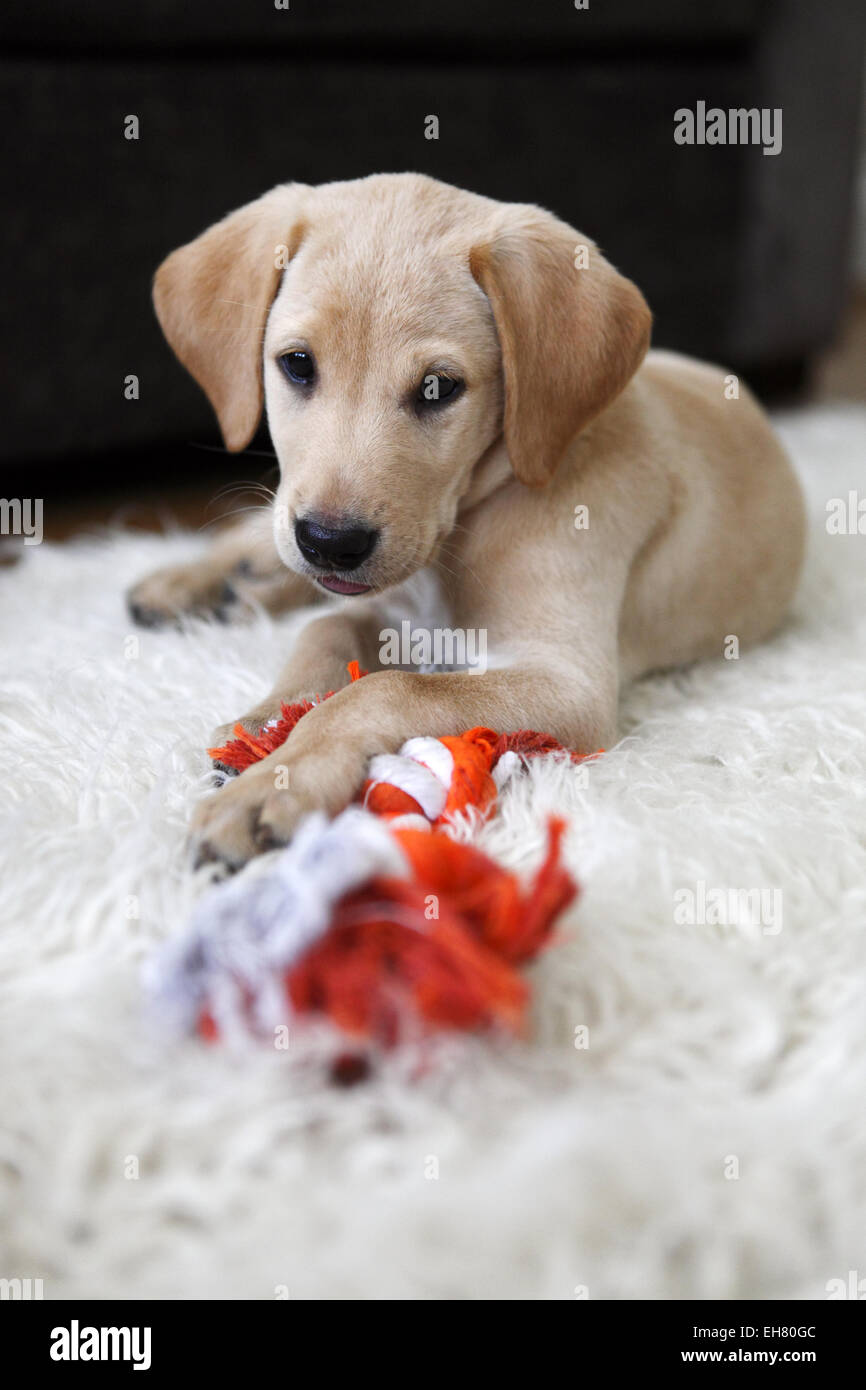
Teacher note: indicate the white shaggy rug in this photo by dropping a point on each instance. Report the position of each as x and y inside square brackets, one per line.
[709, 1141]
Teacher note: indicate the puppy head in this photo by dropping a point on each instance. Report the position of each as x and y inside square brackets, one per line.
[395, 329]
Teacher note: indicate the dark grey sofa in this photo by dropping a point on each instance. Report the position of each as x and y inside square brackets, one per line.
[741, 256]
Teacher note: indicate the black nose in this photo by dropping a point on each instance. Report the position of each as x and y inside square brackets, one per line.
[331, 547]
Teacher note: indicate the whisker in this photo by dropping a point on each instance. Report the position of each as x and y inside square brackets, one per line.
[244, 487]
[452, 555]
[224, 516]
[221, 449]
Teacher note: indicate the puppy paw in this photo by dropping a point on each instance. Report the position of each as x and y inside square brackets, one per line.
[181, 591]
[225, 825]
[262, 807]
[254, 722]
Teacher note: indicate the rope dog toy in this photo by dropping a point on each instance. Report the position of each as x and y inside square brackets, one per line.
[431, 778]
[378, 920]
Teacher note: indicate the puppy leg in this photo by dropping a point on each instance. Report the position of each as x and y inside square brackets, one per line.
[241, 569]
[318, 664]
[326, 758]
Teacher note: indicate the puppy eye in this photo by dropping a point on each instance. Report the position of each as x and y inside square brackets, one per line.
[299, 367]
[436, 389]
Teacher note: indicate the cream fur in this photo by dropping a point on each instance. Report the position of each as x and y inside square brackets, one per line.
[695, 521]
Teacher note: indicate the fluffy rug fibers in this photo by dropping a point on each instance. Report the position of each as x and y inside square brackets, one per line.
[686, 1119]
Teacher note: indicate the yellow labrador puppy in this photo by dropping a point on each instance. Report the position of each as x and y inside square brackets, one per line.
[463, 386]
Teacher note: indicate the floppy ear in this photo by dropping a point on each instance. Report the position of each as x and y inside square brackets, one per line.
[571, 337]
[212, 299]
